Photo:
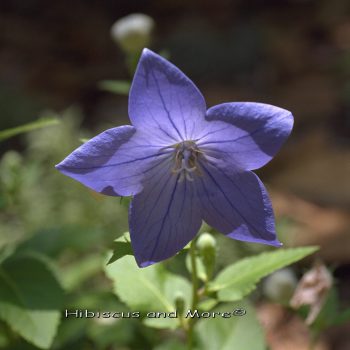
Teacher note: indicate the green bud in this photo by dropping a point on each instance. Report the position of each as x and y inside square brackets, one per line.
[280, 285]
[206, 245]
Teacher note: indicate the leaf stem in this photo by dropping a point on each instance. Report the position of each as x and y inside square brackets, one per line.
[194, 275]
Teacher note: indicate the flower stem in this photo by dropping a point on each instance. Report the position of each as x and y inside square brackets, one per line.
[194, 275]
[195, 297]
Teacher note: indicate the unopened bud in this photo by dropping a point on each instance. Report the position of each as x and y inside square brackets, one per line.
[206, 242]
[206, 245]
[133, 32]
[280, 285]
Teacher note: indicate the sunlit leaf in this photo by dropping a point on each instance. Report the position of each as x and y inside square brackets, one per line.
[239, 279]
[150, 289]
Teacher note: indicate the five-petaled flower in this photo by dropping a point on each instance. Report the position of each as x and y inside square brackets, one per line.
[183, 164]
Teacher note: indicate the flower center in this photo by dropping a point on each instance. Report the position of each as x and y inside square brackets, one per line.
[186, 160]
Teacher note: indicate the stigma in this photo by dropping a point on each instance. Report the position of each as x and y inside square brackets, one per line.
[186, 156]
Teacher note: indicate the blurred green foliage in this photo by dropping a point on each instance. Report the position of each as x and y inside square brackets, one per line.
[54, 238]
[50, 223]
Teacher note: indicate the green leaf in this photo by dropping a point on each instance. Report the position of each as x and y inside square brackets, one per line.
[30, 299]
[160, 321]
[121, 247]
[207, 304]
[239, 279]
[150, 289]
[106, 333]
[121, 87]
[236, 332]
[37, 124]
[4, 336]
[6, 251]
[171, 344]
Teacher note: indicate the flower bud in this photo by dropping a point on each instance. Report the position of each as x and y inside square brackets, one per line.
[206, 245]
[280, 285]
[133, 32]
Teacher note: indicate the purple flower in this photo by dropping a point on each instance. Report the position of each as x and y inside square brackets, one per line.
[183, 164]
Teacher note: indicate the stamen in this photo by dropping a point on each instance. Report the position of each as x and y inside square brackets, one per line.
[188, 177]
[186, 158]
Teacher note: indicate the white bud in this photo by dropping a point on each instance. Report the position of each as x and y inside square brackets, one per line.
[206, 242]
[280, 285]
[133, 32]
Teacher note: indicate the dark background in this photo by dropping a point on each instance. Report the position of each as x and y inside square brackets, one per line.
[291, 53]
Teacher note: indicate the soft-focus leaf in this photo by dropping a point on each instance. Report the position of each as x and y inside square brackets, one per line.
[30, 299]
[151, 289]
[70, 331]
[104, 333]
[121, 247]
[171, 344]
[4, 337]
[121, 87]
[239, 279]
[161, 322]
[79, 272]
[37, 124]
[207, 304]
[236, 332]
[6, 251]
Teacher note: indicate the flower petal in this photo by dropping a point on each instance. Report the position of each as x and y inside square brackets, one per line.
[115, 161]
[253, 134]
[236, 203]
[163, 218]
[165, 100]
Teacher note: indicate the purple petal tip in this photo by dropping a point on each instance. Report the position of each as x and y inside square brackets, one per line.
[146, 263]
